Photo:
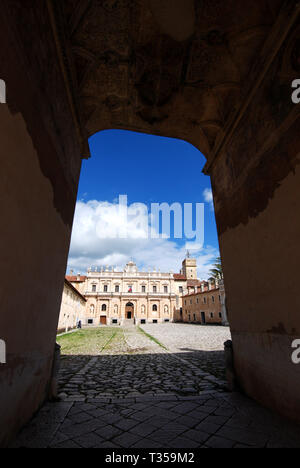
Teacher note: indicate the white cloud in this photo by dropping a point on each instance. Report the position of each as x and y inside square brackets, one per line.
[94, 242]
[208, 197]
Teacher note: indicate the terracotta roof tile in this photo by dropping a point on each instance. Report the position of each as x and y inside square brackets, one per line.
[74, 279]
[178, 277]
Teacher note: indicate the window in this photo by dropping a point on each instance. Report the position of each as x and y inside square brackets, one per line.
[211, 315]
[197, 300]
[90, 321]
[167, 320]
[184, 302]
[213, 298]
[204, 300]
[191, 302]
[219, 298]
[220, 315]
[117, 288]
[143, 321]
[114, 321]
[180, 289]
[94, 288]
[130, 288]
[165, 289]
[189, 318]
[143, 289]
[105, 288]
[154, 321]
[154, 308]
[103, 308]
[154, 289]
[194, 317]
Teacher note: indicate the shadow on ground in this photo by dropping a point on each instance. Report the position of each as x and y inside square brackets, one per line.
[188, 373]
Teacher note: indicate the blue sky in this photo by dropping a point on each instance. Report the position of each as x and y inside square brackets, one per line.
[148, 169]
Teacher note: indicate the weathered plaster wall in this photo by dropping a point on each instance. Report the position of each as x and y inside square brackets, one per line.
[40, 166]
[256, 186]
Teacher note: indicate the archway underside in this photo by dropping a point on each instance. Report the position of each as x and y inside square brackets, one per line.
[172, 69]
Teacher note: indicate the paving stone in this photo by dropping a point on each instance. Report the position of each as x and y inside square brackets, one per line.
[69, 444]
[243, 436]
[143, 429]
[126, 424]
[89, 440]
[158, 422]
[182, 442]
[209, 428]
[197, 436]
[80, 417]
[218, 420]
[219, 442]
[126, 440]
[146, 443]
[108, 432]
[137, 398]
[188, 421]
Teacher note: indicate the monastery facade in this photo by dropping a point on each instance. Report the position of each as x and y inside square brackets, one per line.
[114, 297]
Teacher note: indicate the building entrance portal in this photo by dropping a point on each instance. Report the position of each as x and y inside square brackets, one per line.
[129, 311]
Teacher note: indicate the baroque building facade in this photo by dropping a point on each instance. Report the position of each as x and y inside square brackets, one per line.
[114, 297]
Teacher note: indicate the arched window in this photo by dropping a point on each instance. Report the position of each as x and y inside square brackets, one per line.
[103, 308]
[154, 308]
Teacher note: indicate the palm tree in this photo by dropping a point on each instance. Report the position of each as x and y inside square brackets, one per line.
[217, 271]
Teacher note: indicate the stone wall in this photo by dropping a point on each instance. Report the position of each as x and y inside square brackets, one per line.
[40, 166]
[256, 185]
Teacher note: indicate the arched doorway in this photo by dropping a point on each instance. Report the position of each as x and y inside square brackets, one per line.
[129, 311]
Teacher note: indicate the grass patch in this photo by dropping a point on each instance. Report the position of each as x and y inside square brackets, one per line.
[152, 338]
[87, 341]
[110, 340]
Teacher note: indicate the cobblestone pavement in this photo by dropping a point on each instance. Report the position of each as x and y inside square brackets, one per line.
[138, 394]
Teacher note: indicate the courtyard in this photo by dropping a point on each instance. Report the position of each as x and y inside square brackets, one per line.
[160, 386]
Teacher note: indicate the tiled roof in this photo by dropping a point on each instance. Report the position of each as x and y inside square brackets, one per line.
[178, 277]
[202, 292]
[75, 279]
[193, 282]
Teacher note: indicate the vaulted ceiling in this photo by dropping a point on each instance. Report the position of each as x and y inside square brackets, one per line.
[169, 67]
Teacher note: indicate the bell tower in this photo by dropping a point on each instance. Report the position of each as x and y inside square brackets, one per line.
[189, 267]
